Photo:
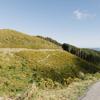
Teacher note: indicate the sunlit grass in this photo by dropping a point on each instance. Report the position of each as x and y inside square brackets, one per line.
[48, 69]
[14, 39]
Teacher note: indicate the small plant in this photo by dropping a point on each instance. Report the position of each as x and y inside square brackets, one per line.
[81, 75]
[68, 81]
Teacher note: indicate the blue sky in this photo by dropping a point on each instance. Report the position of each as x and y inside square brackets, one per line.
[75, 22]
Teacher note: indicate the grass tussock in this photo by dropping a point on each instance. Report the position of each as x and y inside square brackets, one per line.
[72, 92]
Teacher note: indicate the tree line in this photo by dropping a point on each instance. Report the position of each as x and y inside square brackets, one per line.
[50, 40]
[86, 54]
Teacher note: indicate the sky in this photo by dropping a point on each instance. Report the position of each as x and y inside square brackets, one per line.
[76, 22]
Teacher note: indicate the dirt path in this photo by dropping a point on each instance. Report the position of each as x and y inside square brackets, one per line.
[93, 93]
[25, 49]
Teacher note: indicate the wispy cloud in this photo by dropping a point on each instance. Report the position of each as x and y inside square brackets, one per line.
[83, 14]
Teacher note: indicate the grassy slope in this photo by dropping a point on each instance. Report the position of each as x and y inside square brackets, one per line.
[48, 69]
[14, 39]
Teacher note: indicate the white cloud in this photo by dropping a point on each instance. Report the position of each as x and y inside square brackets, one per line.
[83, 14]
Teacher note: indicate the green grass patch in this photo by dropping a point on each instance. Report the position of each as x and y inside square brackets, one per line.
[48, 69]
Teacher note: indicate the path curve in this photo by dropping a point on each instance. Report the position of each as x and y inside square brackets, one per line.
[93, 93]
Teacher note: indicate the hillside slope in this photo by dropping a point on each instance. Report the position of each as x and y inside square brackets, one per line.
[48, 69]
[14, 39]
[25, 60]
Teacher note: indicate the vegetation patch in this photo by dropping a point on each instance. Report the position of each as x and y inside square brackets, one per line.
[48, 69]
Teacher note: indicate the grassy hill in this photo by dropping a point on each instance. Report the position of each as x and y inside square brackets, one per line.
[14, 39]
[48, 69]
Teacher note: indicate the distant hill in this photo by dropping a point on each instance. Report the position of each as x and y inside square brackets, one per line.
[98, 49]
[14, 39]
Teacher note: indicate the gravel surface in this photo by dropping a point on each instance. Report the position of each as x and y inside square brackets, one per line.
[93, 93]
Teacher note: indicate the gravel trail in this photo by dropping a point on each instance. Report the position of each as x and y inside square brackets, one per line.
[93, 93]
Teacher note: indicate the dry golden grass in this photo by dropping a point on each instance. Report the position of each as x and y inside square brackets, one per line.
[14, 39]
